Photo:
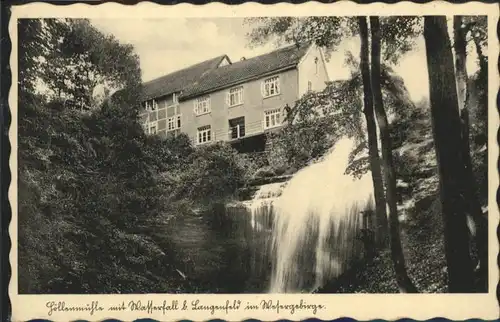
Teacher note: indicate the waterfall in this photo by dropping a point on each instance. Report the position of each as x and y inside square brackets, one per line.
[314, 223]
[262, 205]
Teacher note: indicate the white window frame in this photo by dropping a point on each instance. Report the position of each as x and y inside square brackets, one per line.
[153, 124]
[238, 128]
[237, 94]
[151, 105]
[202, 105]
[272, 118]
[238, 132]
[171, 123]
[204, 134]
[271, 87]
[309, 86]
[175, 101]
[174, 122]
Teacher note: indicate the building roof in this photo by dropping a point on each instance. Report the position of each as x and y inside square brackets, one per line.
[244, 70]
[179, 80]
[205, 77]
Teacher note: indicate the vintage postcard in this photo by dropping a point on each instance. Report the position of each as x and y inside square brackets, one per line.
[254, 161]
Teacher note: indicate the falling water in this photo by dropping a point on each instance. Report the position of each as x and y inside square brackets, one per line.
[262, 205]
[316, 218]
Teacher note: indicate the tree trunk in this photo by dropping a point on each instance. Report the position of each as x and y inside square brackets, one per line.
[448, 144]
[378, 185]
[479, 232]
[398, 259]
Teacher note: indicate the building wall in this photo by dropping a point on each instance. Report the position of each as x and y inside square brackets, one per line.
[253, 107]
[309, 72]
[293, 84]
[166, 109]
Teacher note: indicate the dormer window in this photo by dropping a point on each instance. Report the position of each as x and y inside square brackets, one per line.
[151, 105]
[224, 62]
[172, 100]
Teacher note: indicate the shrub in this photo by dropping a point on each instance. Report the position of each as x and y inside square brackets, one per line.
[94, 190]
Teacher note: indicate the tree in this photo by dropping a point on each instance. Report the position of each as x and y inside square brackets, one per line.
[448, 145]
[29, 45]
[480, 233]
[378, 184]
[70, 57]
[84, 177]
[404, 282]
[327, 33]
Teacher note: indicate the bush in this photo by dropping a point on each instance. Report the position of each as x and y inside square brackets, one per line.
[94, 190]
[266, 172]
[211, 172]
[298, 144]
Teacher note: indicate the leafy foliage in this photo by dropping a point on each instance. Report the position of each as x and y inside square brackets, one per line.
[70, 57]
[94, 190]
[316, 121]
[325, 31]
[212, 173]
[398, 35]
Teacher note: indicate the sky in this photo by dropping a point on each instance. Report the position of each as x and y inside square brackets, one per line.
[167, 45]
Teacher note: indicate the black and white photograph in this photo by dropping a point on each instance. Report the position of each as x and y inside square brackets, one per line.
[313, 154]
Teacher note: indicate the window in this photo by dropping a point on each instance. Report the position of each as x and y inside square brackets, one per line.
[204, 134]
[272, 118]
[309, 86]
[171, 100]
[174, 123]
[271, 86]
[237, 128]
[224, 62]
[235, 96]
[153, 128]
[171, 124]
[151, 105]
[202, 105]
[178, 121]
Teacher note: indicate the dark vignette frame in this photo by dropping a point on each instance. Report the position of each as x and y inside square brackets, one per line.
[5, 120]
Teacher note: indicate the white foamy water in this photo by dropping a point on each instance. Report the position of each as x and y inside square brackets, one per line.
[262, 205]
[316, 218]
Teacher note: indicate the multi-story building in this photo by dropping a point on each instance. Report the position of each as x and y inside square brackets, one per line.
[218, 100]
